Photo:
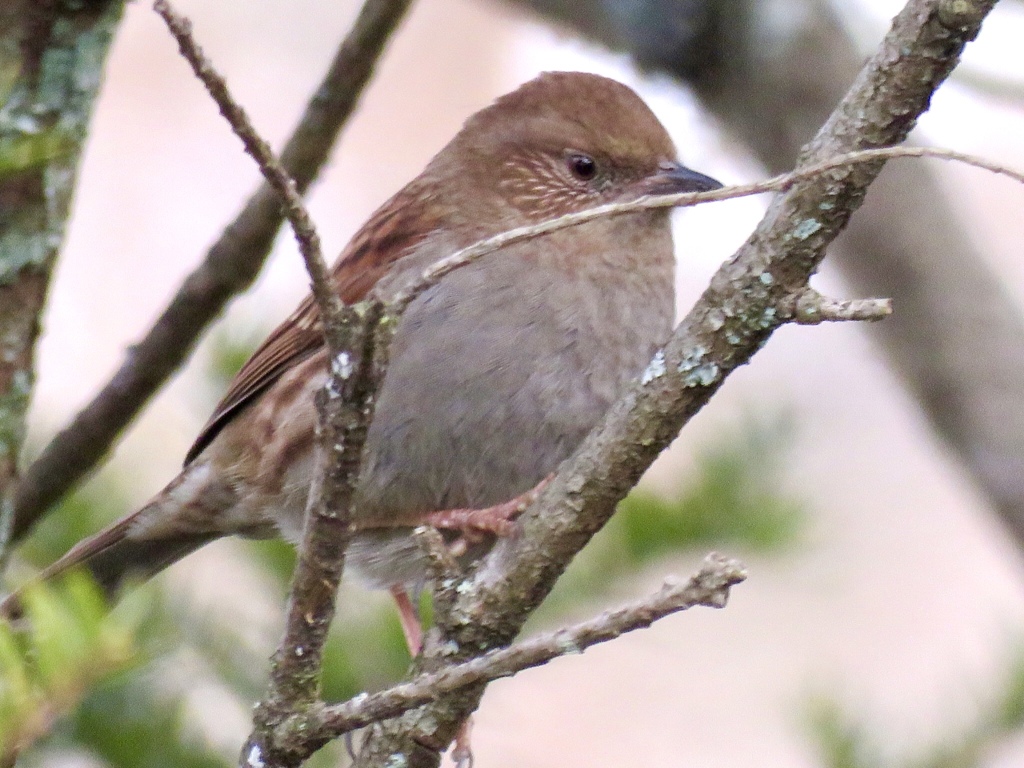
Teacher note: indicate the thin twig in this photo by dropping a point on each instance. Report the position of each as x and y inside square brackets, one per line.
[294, 208]
[230, 266]
[779, 183]
[709, 587]
[811, 308]
[345, 408]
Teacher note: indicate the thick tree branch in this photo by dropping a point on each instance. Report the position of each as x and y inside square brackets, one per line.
[231, 265]
[55, 53]
[731, 321]
[958, 339]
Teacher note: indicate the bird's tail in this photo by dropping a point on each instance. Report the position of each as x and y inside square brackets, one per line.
[113, 557]
[138, 546]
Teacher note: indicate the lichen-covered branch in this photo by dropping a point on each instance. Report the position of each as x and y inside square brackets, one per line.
[958, 340]
[731, 321]
[56, 52]
[230, 266]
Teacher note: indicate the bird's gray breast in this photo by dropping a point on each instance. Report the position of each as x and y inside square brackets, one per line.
[496, 375]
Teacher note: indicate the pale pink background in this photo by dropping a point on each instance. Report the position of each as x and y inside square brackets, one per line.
[903, 594]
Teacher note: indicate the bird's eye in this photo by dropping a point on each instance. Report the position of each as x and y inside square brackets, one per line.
[582, 166]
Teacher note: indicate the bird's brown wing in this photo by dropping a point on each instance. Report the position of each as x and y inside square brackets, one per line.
[394, 230]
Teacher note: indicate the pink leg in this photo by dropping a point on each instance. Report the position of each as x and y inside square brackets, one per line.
[462, 753]
[410, 619]
[473, 524]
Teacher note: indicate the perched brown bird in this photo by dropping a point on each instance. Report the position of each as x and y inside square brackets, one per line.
[496, 374]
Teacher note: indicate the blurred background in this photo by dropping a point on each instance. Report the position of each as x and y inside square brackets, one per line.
[883, 621]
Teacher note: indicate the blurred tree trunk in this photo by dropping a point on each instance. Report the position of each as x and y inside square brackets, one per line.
[772, 71]
[51, 61]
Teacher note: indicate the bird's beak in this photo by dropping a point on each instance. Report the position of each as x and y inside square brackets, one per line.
[672, 177]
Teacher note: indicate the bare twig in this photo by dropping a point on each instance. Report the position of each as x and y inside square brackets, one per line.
[811, 308]
[709, 587]
[271, 168]
[778, 183]
[230, 266]
[345, 408]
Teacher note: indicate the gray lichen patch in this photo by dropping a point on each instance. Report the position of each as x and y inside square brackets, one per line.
[806, 228]
[692, 358]
[13, 405]
[702, 376]
[655, 369]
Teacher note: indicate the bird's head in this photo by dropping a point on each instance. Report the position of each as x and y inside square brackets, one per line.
[562, 142]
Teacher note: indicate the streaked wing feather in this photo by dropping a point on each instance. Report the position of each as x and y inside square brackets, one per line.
[388, 235]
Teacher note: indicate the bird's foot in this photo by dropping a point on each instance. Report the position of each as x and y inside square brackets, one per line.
[475, 524]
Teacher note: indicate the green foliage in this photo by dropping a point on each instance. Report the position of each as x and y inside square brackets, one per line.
[70, 644]
[131, 722]
[121, 715]
[845, 741]
[1009, 710]
[733, 499]
[842, 741]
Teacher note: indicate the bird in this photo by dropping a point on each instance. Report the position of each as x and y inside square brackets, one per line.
[496, 373]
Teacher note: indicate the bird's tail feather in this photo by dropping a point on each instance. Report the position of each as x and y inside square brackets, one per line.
[113, 557]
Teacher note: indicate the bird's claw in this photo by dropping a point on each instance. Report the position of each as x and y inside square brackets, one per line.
[475, 524]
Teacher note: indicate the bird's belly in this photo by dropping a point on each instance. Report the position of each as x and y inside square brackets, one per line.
[485, 398]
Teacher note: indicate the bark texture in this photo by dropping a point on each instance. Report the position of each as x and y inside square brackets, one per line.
[51, 66]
